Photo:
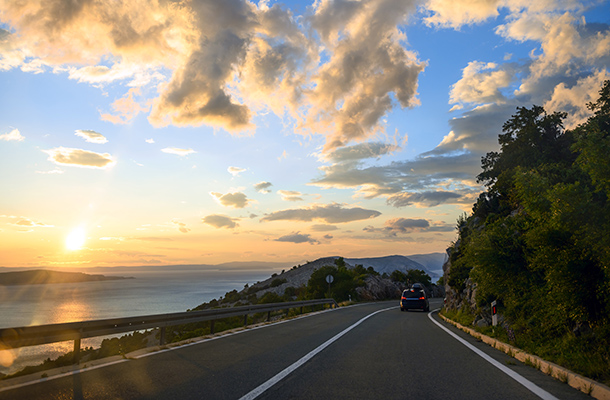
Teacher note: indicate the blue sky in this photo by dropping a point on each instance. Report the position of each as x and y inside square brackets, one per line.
[162, 132]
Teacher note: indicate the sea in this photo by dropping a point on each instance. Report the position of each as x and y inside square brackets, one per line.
[152, 291]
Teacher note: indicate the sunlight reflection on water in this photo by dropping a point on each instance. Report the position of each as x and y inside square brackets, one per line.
[150, 293]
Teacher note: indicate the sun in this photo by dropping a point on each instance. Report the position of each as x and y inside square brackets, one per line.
[76, 239]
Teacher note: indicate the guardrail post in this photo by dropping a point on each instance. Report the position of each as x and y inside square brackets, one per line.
[76, 355]
[246, 320]
[212, 327]
[268, 316]
[162, 336]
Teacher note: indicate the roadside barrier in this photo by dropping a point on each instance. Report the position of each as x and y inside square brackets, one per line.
[11, 338]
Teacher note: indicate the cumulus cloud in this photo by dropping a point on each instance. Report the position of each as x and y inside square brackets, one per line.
[573, 99]
[13, 135]
[361, 151]
[323, 228]
[235, 200]
[10, 55]
[91, 136]
[178, 151]
[367, 66]
[330, 213]
[481, 83]
[406, 224]
[337, 71]
[235, 171]
[263, 187]
[423, 199]
[80, 158]
[24, 222]
[181, 226]
[220, 221]
[290, 195]
[399, 226]
[297, 238]
[125, 108]
[424, 172]
[455, 13]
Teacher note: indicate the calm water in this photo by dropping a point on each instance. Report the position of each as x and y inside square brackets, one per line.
[151, 292]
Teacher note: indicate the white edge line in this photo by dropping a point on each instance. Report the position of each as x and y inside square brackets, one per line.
[222, 336]
[262, 388]
[532, 387]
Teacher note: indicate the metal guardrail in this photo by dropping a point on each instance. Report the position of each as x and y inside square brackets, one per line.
[11, 338]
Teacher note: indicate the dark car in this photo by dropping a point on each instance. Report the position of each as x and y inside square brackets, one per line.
[414, 298]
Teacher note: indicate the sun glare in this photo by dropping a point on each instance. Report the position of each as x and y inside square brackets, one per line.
[76, 239]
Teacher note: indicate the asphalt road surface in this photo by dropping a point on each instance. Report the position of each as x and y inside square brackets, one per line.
[368, 351]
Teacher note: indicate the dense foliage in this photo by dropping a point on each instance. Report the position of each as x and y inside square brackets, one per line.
[538, 239]
[412, 276]
[344, 284]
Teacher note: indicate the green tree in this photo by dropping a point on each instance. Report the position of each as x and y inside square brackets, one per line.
[537, 239]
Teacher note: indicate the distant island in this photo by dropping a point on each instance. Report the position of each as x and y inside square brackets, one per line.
[45, 277]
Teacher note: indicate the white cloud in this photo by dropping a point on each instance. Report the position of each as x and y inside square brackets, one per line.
[399, 226]
[367, 66]
[91, 136]
[125, 108]
[235, 171]
[235, 200]
[24, 222]
[220, 221]
[80, 158]
[481, 83]
[290, 195]
[13, 135]
[178, 151]
[323, 228]
[455, 13]
[423, 199]
[330, 213]
[361, 151]
[263, 187]
[297, 237]
[181, 226]
[575, 98]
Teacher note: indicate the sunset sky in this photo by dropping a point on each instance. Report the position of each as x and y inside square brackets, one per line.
[137, 132]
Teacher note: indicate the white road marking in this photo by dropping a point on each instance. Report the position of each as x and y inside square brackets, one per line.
[222, 336]
[532, 387]
[259, 390]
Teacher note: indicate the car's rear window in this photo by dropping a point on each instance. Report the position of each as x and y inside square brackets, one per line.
[413, 294]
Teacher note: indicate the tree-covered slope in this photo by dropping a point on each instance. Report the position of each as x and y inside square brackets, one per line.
[538, 238]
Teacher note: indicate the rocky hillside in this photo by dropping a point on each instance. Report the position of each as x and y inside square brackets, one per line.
[376, 287]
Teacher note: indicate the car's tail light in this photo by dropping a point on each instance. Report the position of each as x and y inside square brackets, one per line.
[422, 298]
[403, 298]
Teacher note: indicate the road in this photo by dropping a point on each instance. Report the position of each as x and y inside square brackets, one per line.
[369, 351]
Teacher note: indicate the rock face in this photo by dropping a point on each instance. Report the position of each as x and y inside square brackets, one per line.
[466, 299]
[295, 277]
[377, 288]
